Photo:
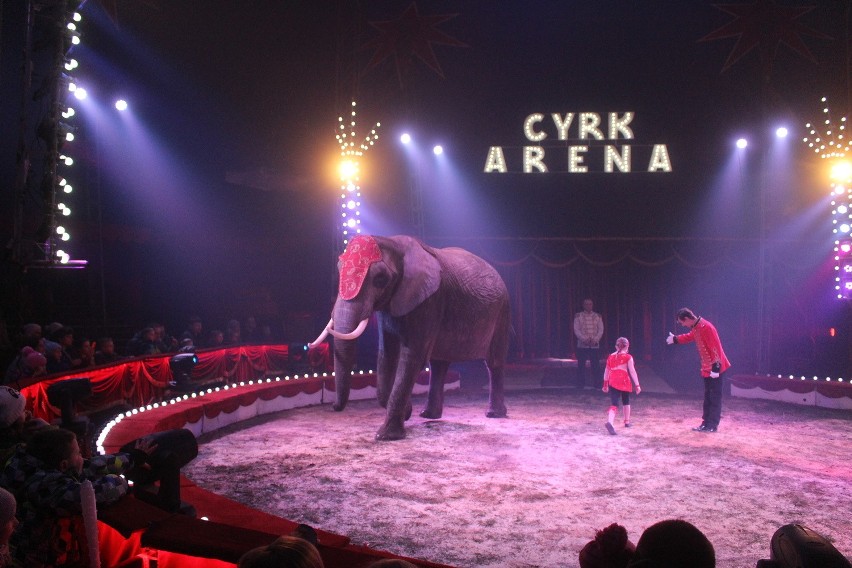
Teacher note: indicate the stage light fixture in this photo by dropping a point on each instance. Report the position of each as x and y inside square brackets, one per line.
[181, 366]
[405, 138]
[742, 143]
[80, 93]
[71, 64]
[781, 132]
[438, 150]
[121, 104]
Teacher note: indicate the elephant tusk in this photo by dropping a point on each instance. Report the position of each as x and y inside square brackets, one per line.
[322, 335]
[353, 335]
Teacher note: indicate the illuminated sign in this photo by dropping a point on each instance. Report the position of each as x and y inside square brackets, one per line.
[581, 146]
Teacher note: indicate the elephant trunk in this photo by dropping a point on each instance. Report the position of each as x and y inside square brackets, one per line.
[345, 316]
[344, 359]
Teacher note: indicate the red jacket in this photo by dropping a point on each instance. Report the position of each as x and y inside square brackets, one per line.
[706, 339]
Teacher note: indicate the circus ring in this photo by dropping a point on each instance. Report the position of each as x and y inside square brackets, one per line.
[132, 530]
[131, 533]
[809, 391]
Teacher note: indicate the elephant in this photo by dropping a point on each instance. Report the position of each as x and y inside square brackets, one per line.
[435, 306]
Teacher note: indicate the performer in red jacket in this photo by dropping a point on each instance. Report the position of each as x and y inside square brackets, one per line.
[713, 363]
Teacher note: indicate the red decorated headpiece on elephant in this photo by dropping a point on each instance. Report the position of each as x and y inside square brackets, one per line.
[355, 262]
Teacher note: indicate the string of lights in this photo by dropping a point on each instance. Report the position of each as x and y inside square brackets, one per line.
[351, 152]
[59, 131]
[829, 141]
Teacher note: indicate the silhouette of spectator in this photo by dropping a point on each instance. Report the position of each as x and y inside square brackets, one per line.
[64, 336]
[392, 563]
[215, 338]
[250, 333]
[84, 352]
[285, 552]
[16, 424]
[56, 363]
[29, 362]
[165, 343]
[609, 549]
[232, 333]
[105, 353]
[673, 543]
[193, 332]
[8, 524]
[143, 343]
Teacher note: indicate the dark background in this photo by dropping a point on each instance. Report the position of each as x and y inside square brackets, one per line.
[218, 197]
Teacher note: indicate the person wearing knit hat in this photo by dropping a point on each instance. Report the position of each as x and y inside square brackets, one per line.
[610, 549]
[34, 362]
[12, 406]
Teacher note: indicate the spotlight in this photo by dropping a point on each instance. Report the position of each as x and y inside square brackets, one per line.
[405, 138]
[742, 143]
[181, 366]
[795, 546]
[80, 93]
[121, 104]
[438, 150]
[781, 132]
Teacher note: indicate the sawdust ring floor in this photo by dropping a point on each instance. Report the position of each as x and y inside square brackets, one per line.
[532, 489]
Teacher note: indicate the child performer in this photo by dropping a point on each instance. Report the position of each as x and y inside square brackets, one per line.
[617, 375]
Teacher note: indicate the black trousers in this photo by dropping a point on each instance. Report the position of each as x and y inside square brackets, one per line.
[712, 401]
[591, 355]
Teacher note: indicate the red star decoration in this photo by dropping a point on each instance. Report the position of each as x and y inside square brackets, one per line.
[408, 36]
[764, 24]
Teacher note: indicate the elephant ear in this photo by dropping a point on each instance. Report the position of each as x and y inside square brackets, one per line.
[421, 276]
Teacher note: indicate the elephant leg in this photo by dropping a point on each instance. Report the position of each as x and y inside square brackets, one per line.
[496, 397]
[435, 401]
[387, 365]
[399, 402]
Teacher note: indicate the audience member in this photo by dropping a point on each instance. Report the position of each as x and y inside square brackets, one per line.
[232, 333]
[285, 552]
[609, 549]
[392, 563]
[250, 333]
[105, 353]
[165, 343]
[8, 524]
[143, 343]
[46, 474]
[17, 426]
[215, 338]
[193, 332]
[55, 362]
[83, 351]
[51, 470]
[64, 336]
[29, 362]
[673, 543]
[306, 532]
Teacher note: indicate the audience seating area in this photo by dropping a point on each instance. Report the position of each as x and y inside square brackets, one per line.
[252, 383]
